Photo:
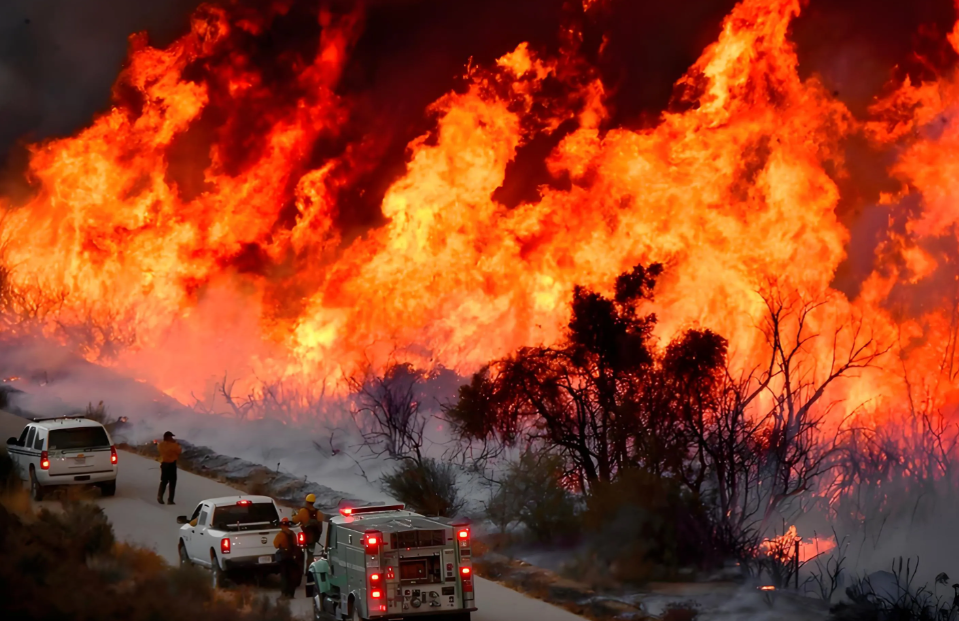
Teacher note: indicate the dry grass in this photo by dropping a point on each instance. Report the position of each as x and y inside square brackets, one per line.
[67, 564]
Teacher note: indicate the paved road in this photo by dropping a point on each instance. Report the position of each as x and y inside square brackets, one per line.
[137, 518]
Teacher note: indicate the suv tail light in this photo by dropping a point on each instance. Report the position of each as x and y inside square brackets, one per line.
[225, 545]
[113, 455]
[44, 460]
[372, 541]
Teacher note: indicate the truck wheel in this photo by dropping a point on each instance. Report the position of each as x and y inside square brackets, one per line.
[184, 557]
[109, 488]
[216, 571]
[36, 490]
[355, 611]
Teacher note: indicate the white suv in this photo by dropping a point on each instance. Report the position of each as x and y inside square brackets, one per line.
[65, 451]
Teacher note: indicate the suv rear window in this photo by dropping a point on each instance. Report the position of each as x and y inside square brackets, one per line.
[77, 438]
[254, 513]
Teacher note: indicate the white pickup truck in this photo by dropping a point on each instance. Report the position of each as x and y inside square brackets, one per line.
[230, 534]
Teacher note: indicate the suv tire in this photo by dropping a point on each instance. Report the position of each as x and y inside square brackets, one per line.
[109, 488]
[36, 490]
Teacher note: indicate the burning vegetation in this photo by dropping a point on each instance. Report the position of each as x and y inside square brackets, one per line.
[204, 222]
[762, 274]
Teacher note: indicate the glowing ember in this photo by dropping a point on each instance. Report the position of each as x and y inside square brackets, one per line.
[784, 546]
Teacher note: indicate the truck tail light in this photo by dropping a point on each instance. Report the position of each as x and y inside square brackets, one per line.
[301, 538]
[466, 577]
[374, 578]
[225, 545]
[462, 534]
[372, 541]
[376, 594]
[44, 461]
[113, 455]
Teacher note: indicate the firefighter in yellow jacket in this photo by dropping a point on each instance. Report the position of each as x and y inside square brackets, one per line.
[169, 451]
[310, 521]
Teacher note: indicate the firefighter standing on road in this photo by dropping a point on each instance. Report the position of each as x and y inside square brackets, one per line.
[169, 451]
[310, 521]
[288, 556]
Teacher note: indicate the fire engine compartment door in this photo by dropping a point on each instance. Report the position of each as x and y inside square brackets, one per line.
[449, 565]
[420, 570]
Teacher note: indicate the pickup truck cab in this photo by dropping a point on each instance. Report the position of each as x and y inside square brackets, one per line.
[52, 452]
[229, 534]
[383, 562]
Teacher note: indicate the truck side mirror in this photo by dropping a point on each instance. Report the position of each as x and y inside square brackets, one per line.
[181, 519]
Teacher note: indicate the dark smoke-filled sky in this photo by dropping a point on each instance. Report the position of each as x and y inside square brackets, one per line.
[59, 59]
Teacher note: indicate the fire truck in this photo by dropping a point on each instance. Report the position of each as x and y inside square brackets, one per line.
[384, 562]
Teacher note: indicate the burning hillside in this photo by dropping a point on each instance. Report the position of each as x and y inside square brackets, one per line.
[203, 223]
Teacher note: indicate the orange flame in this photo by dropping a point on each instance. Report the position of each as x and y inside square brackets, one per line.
[784, 546]
[247, 272]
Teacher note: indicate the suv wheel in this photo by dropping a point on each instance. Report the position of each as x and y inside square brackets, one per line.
[36, 490]
[109, 488]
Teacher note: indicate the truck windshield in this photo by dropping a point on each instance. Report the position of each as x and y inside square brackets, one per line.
[78, 438]
[254, 513]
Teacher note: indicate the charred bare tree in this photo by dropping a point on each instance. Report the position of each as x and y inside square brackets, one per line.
[902, 467]
[387, 411]
[827, 575]
[796, 452]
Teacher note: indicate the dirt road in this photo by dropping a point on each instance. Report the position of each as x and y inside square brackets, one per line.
[138, 518]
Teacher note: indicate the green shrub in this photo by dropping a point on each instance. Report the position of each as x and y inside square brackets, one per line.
[84, 526]
[9, 477]
[531, 493]
[67, 567]
[645, 526]
[427, 487]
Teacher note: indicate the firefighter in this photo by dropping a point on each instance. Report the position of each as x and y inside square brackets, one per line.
[310, 521]
[169, 451]
[288, 556]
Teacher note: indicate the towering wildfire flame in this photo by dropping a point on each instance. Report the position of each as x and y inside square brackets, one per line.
[234, 261]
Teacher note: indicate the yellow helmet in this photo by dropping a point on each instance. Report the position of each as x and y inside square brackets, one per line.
[310, 498]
